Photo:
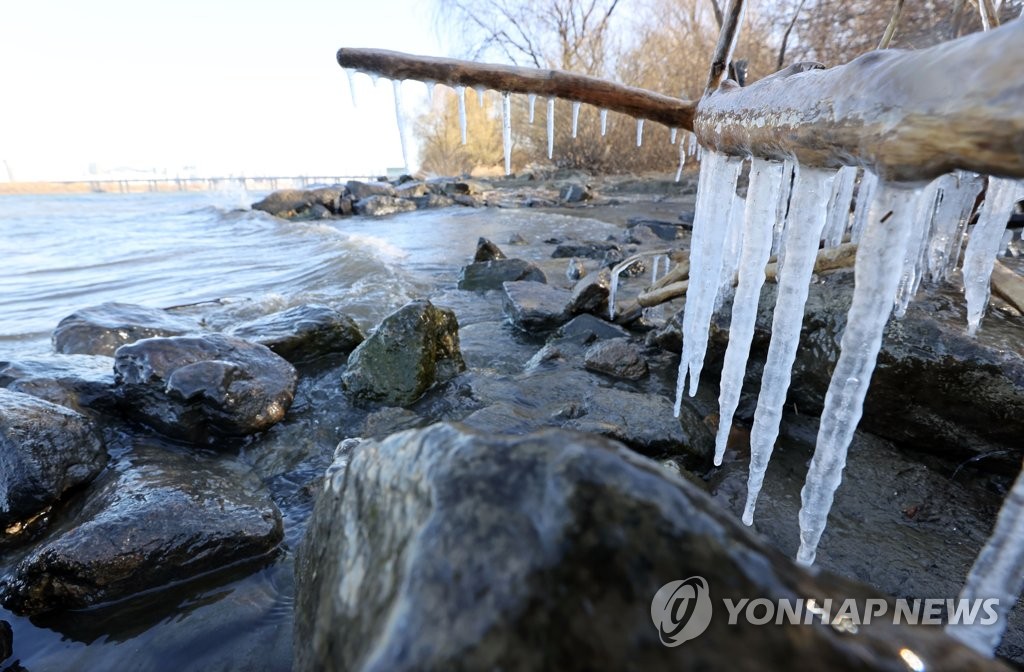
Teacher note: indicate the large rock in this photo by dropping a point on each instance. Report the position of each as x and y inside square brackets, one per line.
[535, 307]
[303, 333]
[487, 251]
[285, 203]
[167, 517]
[413, 348]
[590, 249]
[75, 381]
[102, 329]
[445, 549]
[45, 451]
[617, 357]
[590, 295]
[378, 206]
[486, 275]
[360, 190]
[205, 387]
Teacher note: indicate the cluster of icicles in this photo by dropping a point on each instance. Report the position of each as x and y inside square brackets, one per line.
[904, 233]
[690, 147]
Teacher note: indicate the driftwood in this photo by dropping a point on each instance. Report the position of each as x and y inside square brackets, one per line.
[908, 115]
[1008, 286]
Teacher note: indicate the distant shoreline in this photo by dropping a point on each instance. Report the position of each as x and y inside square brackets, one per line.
[164, 185]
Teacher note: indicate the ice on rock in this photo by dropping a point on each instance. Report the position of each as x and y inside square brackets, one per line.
[506, 130]
[400, 119]
[639, 132]
[998, 573]
[575, 117]
[807, 213]
[759, 218]
[716, 186]
[877, 274]
[461, 93]
[532, 98]
[551, 127]
[983, 245]
[604, 122]
[839, 206]
[863, 205]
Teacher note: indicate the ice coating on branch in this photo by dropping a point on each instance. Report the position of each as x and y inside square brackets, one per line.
[551, 127]
[758, 222]
[639, 132]
[400, 119]
[461, 93]
[604, 121]
[807, 213]
[506, 130]
[983, 245]
[839, 206]
[682, 161]
[480, 94]
[998, 573]
[860, 211]
[575, 117]
[672, 135]
[717, 185]
[877, 273]
[532, 98]
[351, 84]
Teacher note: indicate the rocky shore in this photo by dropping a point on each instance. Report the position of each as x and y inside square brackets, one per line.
[502, 484]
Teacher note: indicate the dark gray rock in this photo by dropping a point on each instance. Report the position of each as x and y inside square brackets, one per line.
[332, 198]
[517, 239]
[303, 333]
[378, 206]
[646, 228]
[75, 381]
[315, 211]
[411, 189]
[589, 249]
[285, 203]
[362, 190]
[530, 552]
[102, 329]
[487, 251]
[6, 641]
[45, 451]
[575, 193]
[166, 517]
[575, 269]
[203, 388]
[468, 201]
[434, 201]
[590, 295]
[618, 357]
[413, 348]
[590, 327]
[486, 275]
[533, 306]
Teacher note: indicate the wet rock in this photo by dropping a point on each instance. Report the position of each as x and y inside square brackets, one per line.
[570, 538]
[45, 451]
[517, 239]
[378, 206]
[315, 211]
[6, 641]
[590, 328]
[413, 348]
[589, 249]
[575, 269]
[102, 329]
[618, 357]
[533, 306]
[647, 229]
[487, 251]
[285, 203]
[485, 275]
[434, 201]
[411, 189]
[165, 517]
[332, 198]
[467, 201]
[575, 193]
[203, 388]
[590, 295]
[362, 190]
[303, 333]
[75, 381]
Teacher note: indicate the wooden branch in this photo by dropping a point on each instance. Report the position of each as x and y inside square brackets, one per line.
[907, 115]
[673, 112]
[1008, 285]
[727, 39]
[668, 292]
[680, 271]
[890, 30]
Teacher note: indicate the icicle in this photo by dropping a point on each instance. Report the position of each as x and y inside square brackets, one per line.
[431, 85]
[461, 92]
[839, 205]
[998, 573]
[877, 272]
[782, 215]
[863, 206]
[682, 161]
[604, 122]
[672, 135]
[717, 184]
[533, 103]
[575, 117]
[693, 146]
[983, 245]
[956, 205]
[917, 244]
[506, 130]
[731, 252]
[762, 204]
[397, 87]
[480, 90]
[639, 132]
[807, 214]
[654, 269]
[351, 84]
[374, 77]
[551, 127]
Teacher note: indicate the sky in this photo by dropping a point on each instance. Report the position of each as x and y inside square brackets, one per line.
[215, 87]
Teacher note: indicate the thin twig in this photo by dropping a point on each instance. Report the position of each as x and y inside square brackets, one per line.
[785, 36]
[890, 30]
[727, 39]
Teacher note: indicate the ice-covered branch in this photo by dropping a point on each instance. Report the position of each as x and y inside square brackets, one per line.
[640, 103]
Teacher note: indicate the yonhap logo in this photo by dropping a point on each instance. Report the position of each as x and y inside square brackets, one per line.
[681, 610]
